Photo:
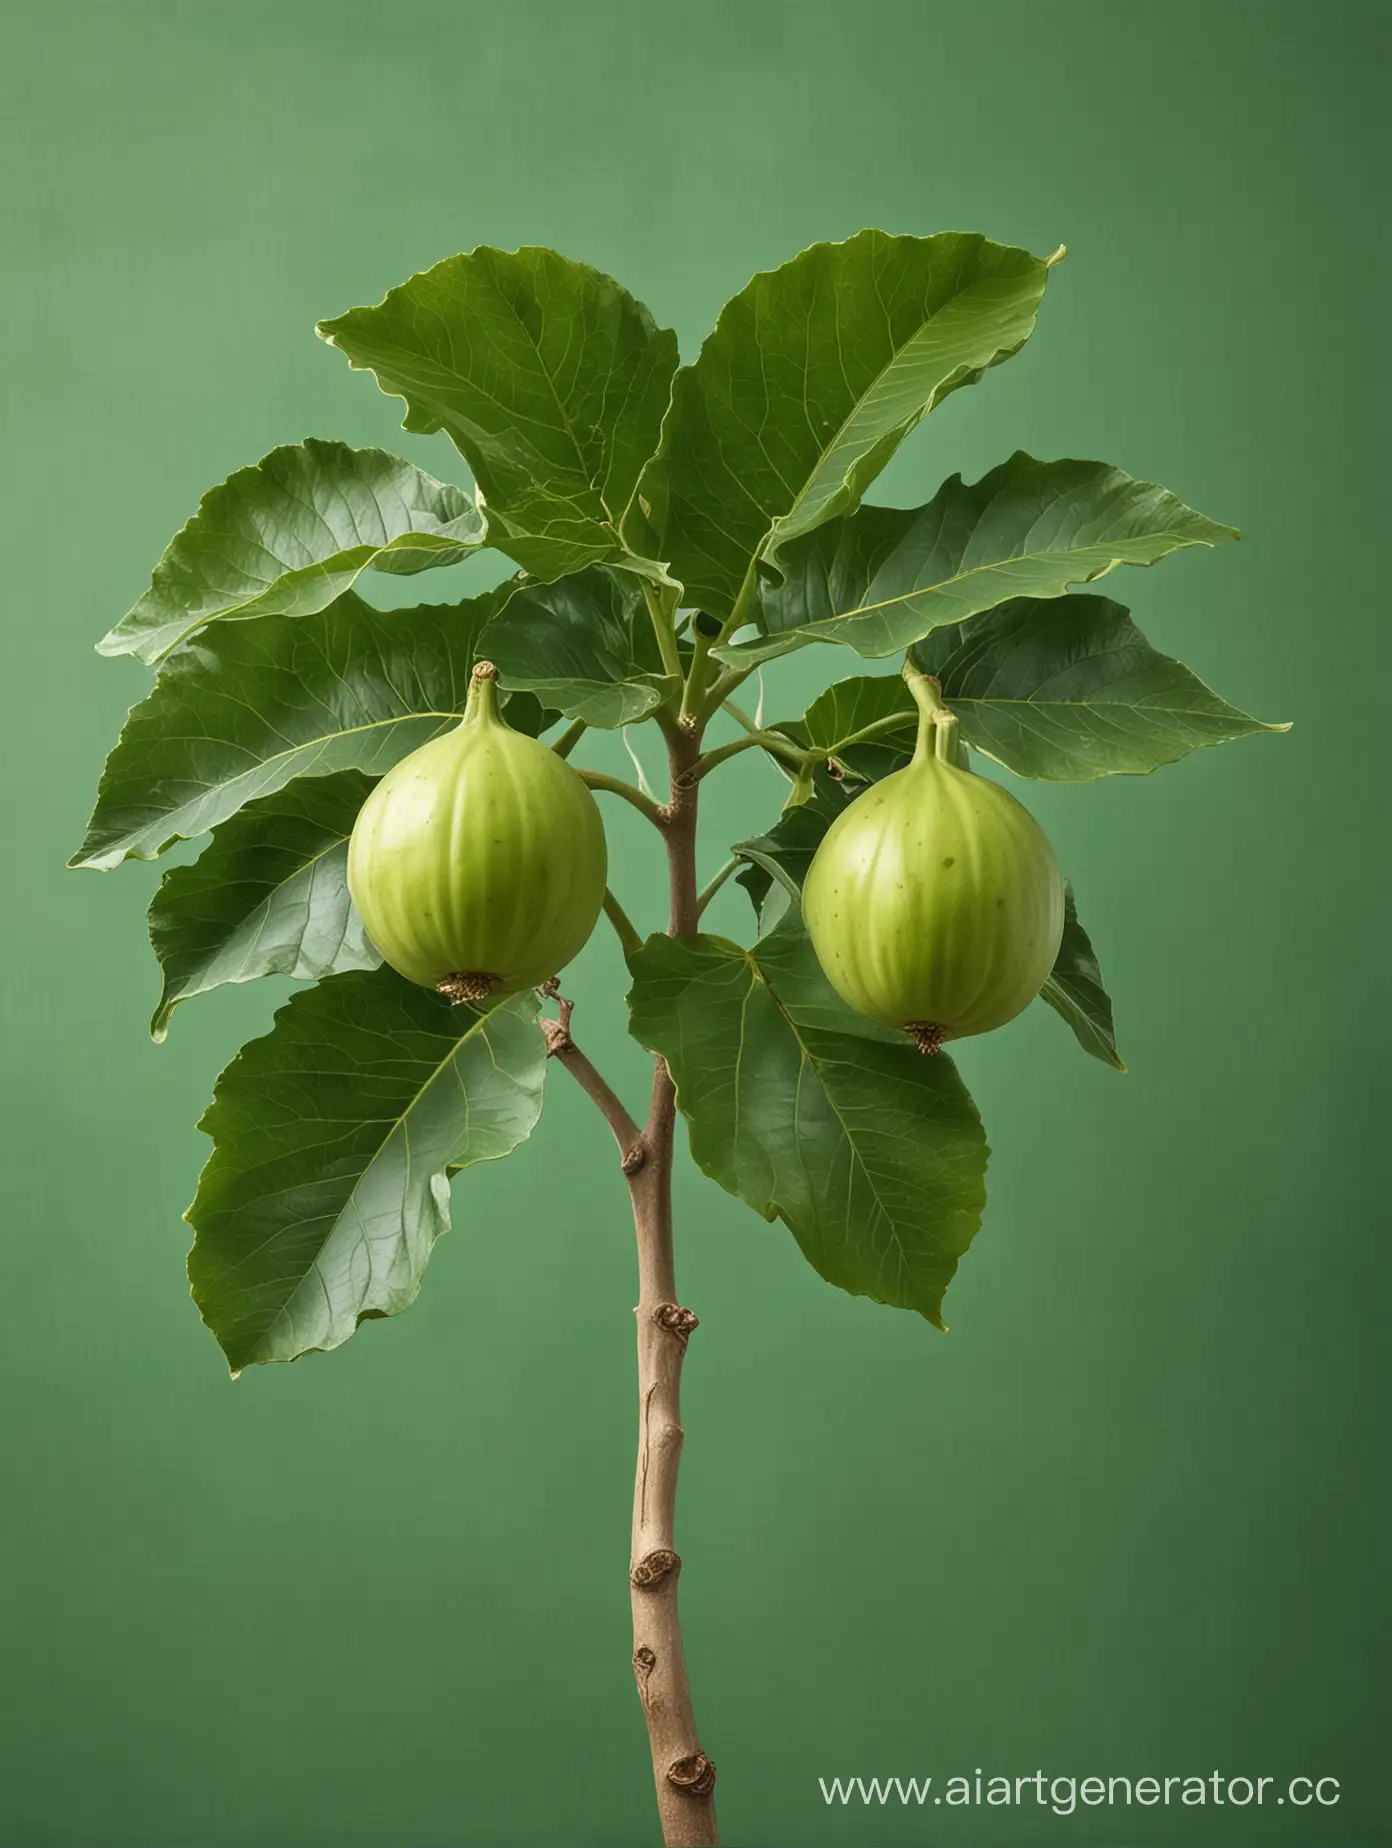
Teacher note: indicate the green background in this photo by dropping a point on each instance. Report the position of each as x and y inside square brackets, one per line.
[1125, 1518]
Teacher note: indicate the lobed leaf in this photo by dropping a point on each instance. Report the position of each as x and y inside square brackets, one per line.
[267, 896]
[243, 710]
[584, 646]
[548, 378]
[812, 378]
[288, 535]
[871, 1154]
[882, 578]
[333, 1138]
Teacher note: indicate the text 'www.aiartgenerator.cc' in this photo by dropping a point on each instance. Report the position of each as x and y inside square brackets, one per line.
[1062, 1795]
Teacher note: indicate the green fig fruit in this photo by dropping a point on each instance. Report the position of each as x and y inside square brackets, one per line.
[934, 901]
[478, 863]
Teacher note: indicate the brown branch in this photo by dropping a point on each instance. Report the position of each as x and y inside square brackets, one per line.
[683, 1777]
[560, 1045]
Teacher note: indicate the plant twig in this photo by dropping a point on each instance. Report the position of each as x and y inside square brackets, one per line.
[560, 1045]
[769, 740]
[712, 886]
[615, 785]
[625, 929]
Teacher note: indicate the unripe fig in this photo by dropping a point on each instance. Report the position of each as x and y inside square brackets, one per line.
[478, 862]
[934, 902]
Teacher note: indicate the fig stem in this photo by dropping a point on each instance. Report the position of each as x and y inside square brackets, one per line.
[569, 738]
[937, 722]
[481, 707]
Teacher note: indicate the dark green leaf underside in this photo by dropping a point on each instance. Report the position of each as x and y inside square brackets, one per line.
[1074, 990]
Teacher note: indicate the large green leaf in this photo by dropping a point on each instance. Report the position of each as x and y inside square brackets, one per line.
[812, 378]
[333, 1139]
[267, 896]
[548, 377]
[882, 578]
[290, 534]
[871, 1154]
[1063, 688]
[241, 711]
[1075, 990]
[584, 646]
[1071, 690]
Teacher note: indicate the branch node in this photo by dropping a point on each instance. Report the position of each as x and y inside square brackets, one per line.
[556, 1033]
[634, 1156]
[694, 1775]
[675, 1321]
[653, 1568]
[644, 1662]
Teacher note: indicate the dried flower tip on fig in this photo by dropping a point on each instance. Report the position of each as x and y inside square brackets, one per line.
[485, 670]
[466, 985]
[927, 1035]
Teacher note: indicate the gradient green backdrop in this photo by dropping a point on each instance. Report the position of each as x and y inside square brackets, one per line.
[1126, 1516]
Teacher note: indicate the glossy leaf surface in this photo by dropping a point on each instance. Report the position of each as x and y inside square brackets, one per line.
[814, 375]
[548, 378]
[584, 646]
[291, 534]
[882, 578]
[333, 1138]
[267, 896]
[872, 1154]
[243, 710]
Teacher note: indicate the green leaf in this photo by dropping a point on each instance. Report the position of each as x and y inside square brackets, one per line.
[241, 711]
[882, 578]
[1071, 690]
[290, 534]
[1075, 990]
[548, 378]
[814, 375]
[268, 896]
[332, 1138]
[785, 852]
[836, 718]
[584, 646]
[871, 1154]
